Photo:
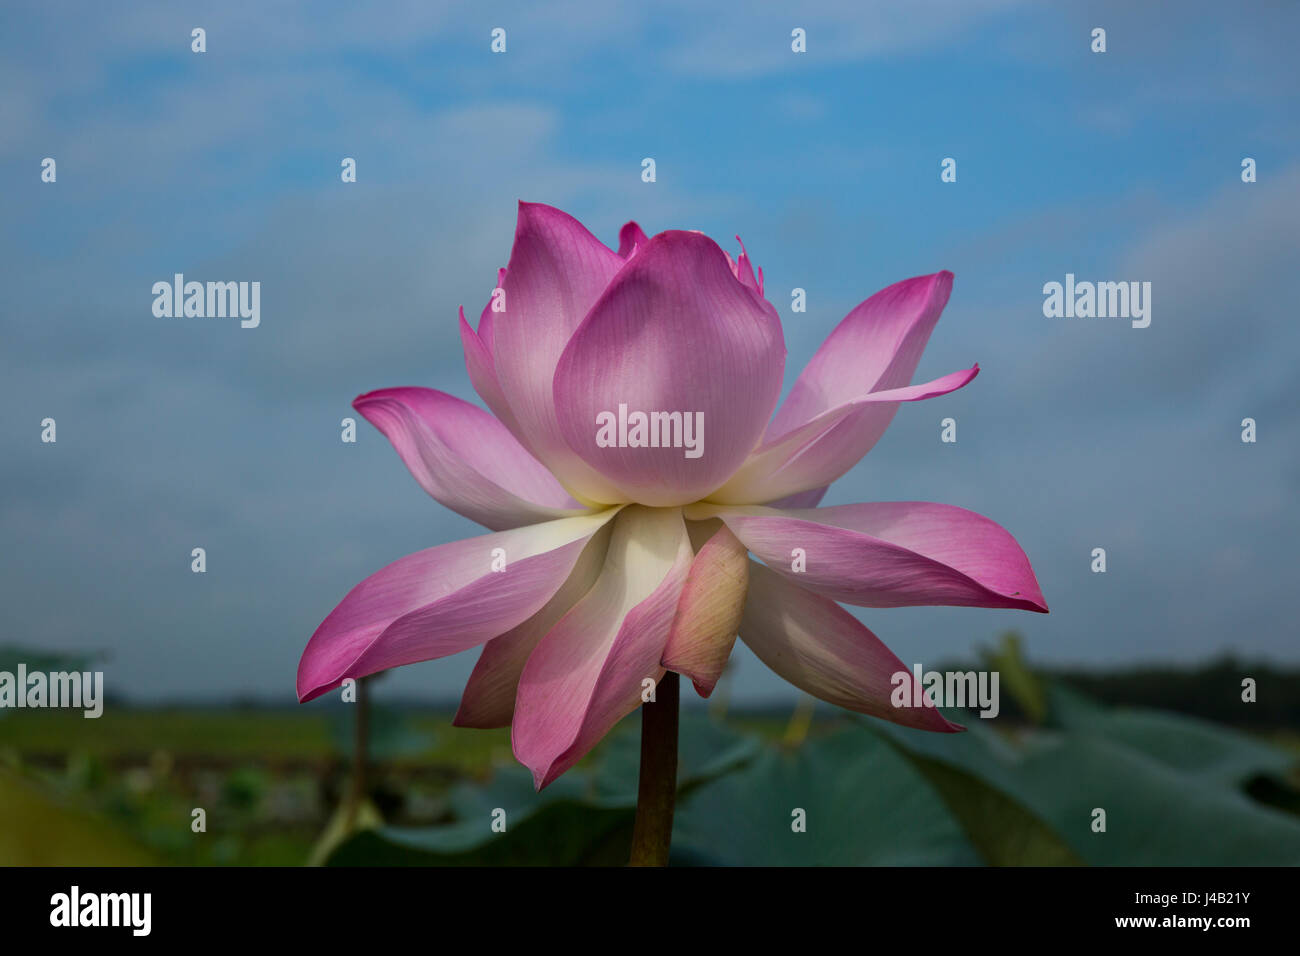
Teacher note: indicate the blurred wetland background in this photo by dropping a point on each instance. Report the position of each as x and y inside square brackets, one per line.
[1200, 779]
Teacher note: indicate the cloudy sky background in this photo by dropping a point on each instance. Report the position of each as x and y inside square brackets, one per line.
[183, 433]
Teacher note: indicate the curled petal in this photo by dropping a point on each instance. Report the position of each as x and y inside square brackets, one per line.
[586, 674]
[443, 600]
[876, 346]
[674, 334]
[835, 411]
[630, 238]
[744, 270]
[819, 451]
[824, 650]
[889, 554]
[708, 613]
[465, 458]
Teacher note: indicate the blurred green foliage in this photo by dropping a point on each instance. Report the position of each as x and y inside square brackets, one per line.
[1019, 789]
[873, 793]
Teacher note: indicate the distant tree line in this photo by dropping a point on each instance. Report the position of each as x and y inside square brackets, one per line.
[1212, 691]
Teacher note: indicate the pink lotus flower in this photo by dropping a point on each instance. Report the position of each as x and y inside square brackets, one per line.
[612, 560]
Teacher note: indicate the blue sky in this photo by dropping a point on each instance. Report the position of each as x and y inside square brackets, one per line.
[174, 434]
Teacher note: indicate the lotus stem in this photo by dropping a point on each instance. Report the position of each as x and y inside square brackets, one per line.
[657, 789]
